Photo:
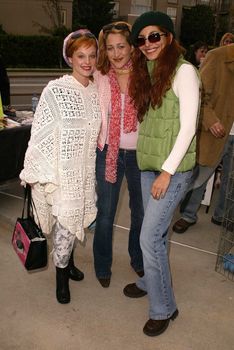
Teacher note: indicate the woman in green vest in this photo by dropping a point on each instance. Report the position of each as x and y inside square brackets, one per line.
[165, 90]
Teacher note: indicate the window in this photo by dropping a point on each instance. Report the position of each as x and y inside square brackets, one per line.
[172, 11]
[115, 9]
[140, 6]
[64, 17]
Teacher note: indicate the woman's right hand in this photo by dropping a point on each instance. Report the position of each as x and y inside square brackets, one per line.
[160, 185]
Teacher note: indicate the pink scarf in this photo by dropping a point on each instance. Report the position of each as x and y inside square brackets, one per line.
[129, 124]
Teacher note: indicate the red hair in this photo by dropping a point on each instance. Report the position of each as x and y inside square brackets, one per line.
[146, 90]
[76, 43]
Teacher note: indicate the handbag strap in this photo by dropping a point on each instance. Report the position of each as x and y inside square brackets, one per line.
[26, 189]
[31, 208]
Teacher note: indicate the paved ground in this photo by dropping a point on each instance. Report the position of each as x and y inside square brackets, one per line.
[104, 319]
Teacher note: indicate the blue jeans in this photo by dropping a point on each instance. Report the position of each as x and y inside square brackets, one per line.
[192, 201]
[154, 237]
[108, 196]
[226, 162]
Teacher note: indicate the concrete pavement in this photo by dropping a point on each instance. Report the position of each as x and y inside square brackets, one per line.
[104, 319]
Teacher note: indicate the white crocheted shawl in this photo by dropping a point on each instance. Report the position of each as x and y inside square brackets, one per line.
[60, 159]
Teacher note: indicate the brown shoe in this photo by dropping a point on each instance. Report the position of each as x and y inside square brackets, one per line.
[182, 225]
[153, 328]
[105, 282]
[132, 291]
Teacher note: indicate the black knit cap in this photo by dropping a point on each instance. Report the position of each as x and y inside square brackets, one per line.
[152, 18]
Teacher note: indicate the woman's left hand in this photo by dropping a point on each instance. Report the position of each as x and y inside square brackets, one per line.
[160, 185]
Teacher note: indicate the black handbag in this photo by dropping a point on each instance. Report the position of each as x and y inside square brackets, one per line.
[28, 240]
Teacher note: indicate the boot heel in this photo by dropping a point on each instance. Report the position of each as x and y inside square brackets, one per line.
[74, 273]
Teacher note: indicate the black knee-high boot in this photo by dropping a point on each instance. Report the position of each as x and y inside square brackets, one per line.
[62, 285]
[74, 273]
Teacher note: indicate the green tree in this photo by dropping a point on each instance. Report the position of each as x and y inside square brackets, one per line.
[92, 14]
[197, 23]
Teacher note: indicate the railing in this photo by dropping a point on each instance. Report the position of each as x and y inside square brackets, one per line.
[24, 83]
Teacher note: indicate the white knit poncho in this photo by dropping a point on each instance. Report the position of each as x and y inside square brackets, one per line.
[60, 159]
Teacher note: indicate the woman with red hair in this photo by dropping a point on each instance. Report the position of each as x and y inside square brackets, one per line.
[165, 91]
[60, 159]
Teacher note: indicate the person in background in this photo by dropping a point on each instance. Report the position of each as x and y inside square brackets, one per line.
[216, 121]
[165, 91]
[197, 53]
[60, 159]
[226, 162]
[116, 152]
[223, 169]
[227, 39]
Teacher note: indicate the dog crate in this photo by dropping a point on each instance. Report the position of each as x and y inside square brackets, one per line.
[225, 254]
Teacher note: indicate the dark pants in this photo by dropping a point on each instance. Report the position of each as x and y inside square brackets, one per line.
[108, 196]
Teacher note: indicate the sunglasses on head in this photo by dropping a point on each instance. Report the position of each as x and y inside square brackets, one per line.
[80, 35]
[120, 26]
[152, 38]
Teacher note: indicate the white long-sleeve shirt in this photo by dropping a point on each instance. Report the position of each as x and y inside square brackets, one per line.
[186, 87]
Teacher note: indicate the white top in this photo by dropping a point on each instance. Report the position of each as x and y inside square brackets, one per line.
[60, 159]
[186, 86]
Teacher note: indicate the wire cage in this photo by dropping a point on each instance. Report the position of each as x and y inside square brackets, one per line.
[225, 254]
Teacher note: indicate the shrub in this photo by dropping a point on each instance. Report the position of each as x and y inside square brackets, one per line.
[20, 51]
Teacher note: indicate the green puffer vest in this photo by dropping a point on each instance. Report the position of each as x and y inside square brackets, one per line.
[158, 133]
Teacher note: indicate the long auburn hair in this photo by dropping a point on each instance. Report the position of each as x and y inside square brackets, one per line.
[146, 90]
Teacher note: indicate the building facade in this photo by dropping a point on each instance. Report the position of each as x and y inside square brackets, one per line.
[130, 9]
[27, 17]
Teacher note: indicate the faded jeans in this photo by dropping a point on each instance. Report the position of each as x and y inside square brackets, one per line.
[154, 238]
[192, 201]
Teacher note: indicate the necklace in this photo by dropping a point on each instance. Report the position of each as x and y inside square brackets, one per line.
[123, 71]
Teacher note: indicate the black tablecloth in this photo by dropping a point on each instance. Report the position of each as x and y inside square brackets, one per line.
[13, 144]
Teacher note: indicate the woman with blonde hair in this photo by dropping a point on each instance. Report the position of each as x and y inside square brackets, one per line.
[116, 152]
[227, 39]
